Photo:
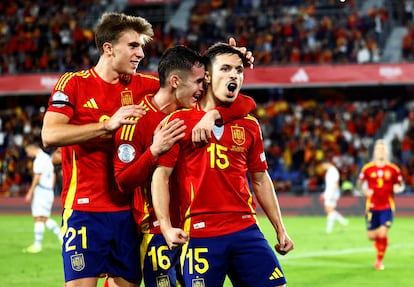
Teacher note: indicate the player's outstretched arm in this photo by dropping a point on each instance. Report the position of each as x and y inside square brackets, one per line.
[174, 237]
[266, 196]
[201, 133]
[57, 131]
[243, 105]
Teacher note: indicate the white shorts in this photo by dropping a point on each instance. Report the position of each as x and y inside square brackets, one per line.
[42, 202]
[332, 200]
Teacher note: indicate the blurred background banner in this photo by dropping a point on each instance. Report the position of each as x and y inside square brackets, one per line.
[259, 77]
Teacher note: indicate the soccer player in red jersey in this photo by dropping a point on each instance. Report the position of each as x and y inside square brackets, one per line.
[85, 108]
[181, 72]
[217, 209]
[382, 180]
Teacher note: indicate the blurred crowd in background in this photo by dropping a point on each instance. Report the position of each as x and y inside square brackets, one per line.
[57, 36]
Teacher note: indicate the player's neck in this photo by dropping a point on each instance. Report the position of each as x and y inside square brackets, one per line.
[107, 75]
[208, 102]
[164, 101]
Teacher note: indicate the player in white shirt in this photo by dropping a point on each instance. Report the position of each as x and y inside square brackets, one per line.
[41, 196]
[331, 195]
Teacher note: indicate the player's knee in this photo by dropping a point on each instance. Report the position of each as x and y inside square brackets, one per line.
[372, 235]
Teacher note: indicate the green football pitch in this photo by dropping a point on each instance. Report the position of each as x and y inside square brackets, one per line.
[340, 259]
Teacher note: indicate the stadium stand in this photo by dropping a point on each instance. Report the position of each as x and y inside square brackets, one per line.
[57, 36]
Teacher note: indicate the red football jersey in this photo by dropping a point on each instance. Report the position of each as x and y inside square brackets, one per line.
[134, 164]
[381, 180]
[212, 180]
[88, 177]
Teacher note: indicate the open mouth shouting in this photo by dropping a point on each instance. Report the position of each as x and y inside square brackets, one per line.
[231, 87]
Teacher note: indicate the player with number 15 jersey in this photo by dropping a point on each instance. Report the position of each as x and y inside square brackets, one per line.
[218, 229]
[232, 151]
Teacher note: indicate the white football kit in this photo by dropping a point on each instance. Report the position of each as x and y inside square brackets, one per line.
[43, 195]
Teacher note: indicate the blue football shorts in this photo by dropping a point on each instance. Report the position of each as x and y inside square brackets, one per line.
[96, 244]
[376, 218]
[160, 264]
[245, 256]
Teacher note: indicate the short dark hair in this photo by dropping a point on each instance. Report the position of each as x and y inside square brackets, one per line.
[219, 49]
[179, 59]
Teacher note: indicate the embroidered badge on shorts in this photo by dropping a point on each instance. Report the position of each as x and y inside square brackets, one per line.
[163, 281]
[198, 282]
[78, 261]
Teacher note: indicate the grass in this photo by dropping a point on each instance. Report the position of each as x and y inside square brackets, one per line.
[340, 259]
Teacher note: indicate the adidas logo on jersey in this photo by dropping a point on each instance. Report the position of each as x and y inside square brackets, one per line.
[91, 104]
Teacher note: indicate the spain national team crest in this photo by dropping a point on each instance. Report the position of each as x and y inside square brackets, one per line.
[126, 98]
[78, 262]
[198, 282]
[238, 135]
[163, 281]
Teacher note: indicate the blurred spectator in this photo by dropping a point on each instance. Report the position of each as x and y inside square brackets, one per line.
[408, 11]
[364, 55]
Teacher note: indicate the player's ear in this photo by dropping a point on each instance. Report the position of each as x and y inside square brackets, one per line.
[207, 77]
[107, 47]
[174, 79]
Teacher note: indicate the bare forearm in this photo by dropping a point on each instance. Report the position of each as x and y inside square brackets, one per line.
[161, 197]
[267, 199]
[174, 236]
[57, 130]
[67, 134]
[271, 208]
[266, 196]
